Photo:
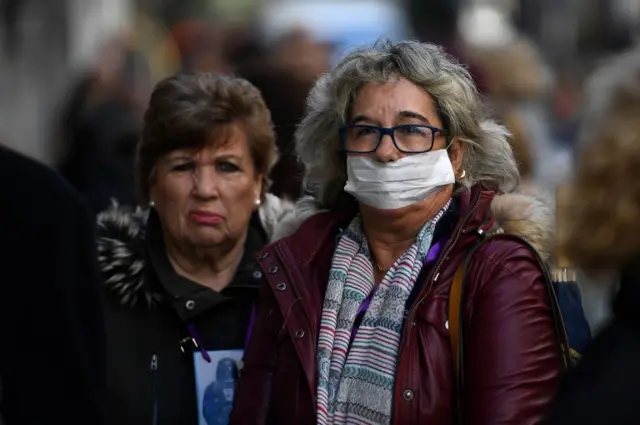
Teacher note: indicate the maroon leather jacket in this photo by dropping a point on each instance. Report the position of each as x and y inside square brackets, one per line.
[512, 356]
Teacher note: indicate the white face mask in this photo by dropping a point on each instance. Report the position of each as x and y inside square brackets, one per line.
[396, 184]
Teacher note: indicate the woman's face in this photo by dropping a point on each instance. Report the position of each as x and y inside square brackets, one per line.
[400, 102]
[393, 103]
[205, 197]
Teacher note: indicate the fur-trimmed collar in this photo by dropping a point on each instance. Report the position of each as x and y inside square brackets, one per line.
[526, 214]
[122, 255]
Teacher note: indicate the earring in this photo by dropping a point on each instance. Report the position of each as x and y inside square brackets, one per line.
[464, 173]
[258, 203]
[152, 204]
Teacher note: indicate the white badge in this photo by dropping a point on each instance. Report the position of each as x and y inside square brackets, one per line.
[215, 384]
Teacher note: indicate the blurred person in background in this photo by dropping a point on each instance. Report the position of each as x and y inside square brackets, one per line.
[101, 125]
[87, 90]
[603, 237]
[285, 96]
[522, 151]
[520, 83]
[436, 21]
[567, 98]
[305, 58]
[181, 278]
[10, 11]
[404, 171]
[52, 365]
[243, 48]
[284, 74]
[201, 45]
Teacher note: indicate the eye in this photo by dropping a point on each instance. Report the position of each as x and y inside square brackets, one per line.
[184, 166]
[412, 129]
[364, 131]
[228, 167]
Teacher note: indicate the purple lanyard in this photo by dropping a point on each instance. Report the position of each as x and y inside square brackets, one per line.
[252, 321]
[197, 341]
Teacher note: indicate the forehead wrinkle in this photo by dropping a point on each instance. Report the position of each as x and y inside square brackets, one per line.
[396, 96]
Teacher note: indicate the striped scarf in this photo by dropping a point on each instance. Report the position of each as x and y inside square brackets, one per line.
[356, 377]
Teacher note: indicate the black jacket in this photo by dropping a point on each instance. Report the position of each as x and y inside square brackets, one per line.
[149, 310]
[603, 388]
[51, 326]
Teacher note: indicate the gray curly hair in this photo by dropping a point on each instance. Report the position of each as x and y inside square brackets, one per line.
[488, 157]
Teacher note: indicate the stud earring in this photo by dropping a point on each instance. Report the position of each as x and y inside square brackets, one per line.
[258, 202]
[152, 204]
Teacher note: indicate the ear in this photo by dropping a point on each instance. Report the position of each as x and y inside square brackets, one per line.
[456, 154]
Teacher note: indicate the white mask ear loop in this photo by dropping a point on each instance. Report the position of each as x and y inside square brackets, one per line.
[450, 143]
[448, 146]
[464, 172]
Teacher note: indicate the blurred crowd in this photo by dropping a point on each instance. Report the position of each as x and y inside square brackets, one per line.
[100, 117]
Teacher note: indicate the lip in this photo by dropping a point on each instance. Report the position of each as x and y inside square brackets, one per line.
[205, 217]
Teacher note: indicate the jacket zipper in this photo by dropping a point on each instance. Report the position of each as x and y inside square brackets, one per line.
[433, 275]
[436, 270]
[154, 368]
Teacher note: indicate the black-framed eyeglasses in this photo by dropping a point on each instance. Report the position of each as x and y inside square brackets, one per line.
[407, 138]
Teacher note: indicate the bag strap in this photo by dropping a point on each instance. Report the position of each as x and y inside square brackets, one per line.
[456, 308]
[456, 297]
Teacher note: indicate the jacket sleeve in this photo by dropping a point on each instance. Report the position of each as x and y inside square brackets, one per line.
[55, 302]
[512, 352]
[253, 393]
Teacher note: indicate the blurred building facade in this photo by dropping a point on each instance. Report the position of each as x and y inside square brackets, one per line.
[49, 45]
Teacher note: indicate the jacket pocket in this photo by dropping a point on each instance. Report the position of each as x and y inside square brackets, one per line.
[433, 312]
[429, 368]
[432, 339]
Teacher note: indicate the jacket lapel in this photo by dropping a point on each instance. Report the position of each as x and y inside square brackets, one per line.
[297, 271]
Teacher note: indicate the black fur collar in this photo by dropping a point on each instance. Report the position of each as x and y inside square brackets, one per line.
[122, 249]
[122, 255]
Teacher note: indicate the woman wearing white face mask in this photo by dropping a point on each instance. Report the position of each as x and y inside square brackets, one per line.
[353, 324]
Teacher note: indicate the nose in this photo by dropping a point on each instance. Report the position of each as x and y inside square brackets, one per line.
[205, 183]
[387, 151]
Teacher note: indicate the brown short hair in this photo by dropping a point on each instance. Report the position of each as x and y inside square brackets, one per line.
[603, 229]
[515, 71]
[187, 109]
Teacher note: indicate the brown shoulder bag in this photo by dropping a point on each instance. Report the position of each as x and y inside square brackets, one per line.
[456, 328]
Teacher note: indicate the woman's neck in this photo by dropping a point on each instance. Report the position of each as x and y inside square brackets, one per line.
[390, 234]
[214, 267]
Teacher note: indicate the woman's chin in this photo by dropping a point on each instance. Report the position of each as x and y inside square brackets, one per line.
[391, 212]
[207, 239]
[436, 199]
